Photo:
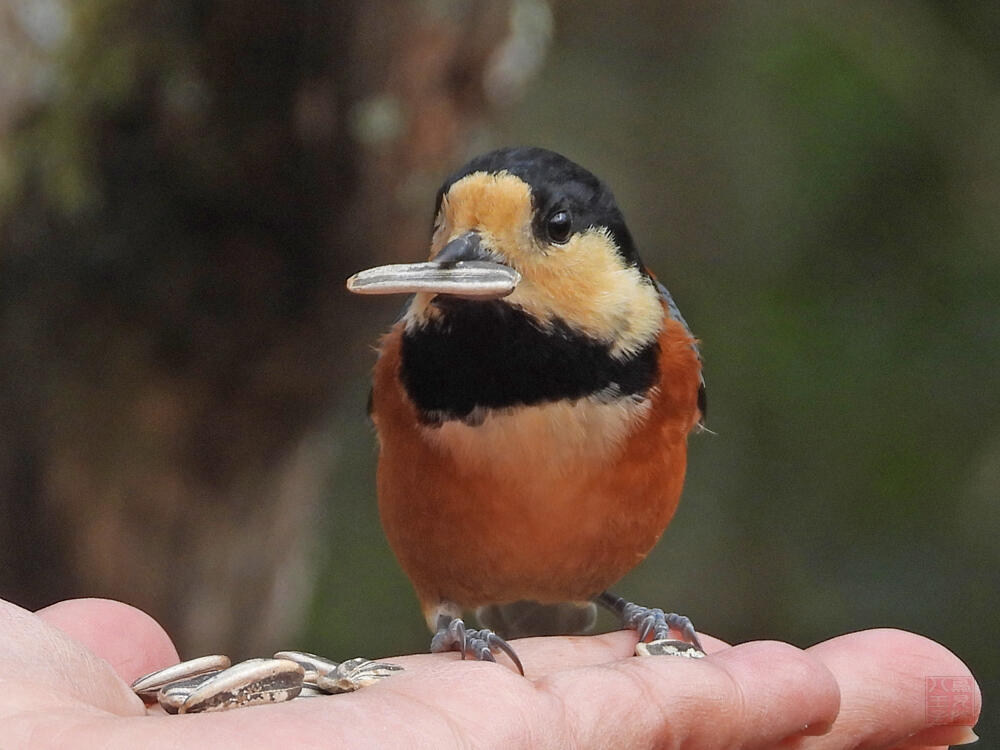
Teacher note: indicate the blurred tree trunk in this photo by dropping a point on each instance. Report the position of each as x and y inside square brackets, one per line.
[184, 186]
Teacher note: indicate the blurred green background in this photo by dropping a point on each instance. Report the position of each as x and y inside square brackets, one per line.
[818, 184]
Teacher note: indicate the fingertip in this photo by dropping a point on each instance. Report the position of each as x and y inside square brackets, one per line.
[130, 640]
[898, 652]
[904, 644]
[895, 684]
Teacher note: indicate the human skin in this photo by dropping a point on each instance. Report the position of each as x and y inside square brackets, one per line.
[65, 672]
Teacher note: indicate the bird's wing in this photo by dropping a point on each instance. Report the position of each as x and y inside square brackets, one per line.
[674, 312]
[369, 407]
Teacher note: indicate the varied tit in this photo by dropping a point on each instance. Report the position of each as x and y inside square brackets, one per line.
[532, 407]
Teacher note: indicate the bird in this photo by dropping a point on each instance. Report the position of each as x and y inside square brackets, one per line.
[532, 407]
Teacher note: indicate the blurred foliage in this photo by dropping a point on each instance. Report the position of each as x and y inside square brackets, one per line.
[817, 184]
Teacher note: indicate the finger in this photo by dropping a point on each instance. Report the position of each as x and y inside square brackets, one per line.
[131, 641]
[752, 695]
[885, 695]
[542, 656]
[42, 667]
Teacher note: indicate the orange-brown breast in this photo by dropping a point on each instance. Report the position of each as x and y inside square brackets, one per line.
[549, 503]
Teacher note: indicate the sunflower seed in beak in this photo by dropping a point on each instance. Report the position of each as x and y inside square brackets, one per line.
[480, 279]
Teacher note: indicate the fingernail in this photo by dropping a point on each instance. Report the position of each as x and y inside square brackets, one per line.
[941, 736]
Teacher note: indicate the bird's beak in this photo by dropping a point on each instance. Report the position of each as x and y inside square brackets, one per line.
[463, 268]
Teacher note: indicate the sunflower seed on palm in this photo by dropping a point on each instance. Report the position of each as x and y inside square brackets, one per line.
[248, 683]
[310, 691]
[668, 647]
[313, 665]
[356, 673]
[172, 696]
[149, 685]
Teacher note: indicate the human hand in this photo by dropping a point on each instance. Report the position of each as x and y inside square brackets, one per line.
[65, 672]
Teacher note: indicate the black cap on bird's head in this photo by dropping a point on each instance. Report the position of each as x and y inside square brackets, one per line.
[565, 197]
[532, 227]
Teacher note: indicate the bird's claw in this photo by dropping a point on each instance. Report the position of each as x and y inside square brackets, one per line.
[653, 621]
[474, 644]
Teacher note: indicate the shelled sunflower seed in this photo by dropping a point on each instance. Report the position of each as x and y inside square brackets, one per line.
[210, 683]
[355, 674]
[308, 691]
[668, 647]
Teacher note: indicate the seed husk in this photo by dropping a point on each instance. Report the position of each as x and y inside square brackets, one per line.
[356, 673]
[149, 685]
[248, 683]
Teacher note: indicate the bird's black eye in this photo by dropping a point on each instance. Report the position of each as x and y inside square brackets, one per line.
[559, 225]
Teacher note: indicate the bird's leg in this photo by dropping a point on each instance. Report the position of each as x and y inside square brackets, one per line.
[453, 635]
[653, 624]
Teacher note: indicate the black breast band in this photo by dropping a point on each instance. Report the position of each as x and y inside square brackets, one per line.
[493, 355]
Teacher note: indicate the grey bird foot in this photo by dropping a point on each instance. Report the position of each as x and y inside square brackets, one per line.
[452, 635]
[654, 626]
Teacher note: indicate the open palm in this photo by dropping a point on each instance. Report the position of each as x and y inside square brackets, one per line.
[66, 669]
